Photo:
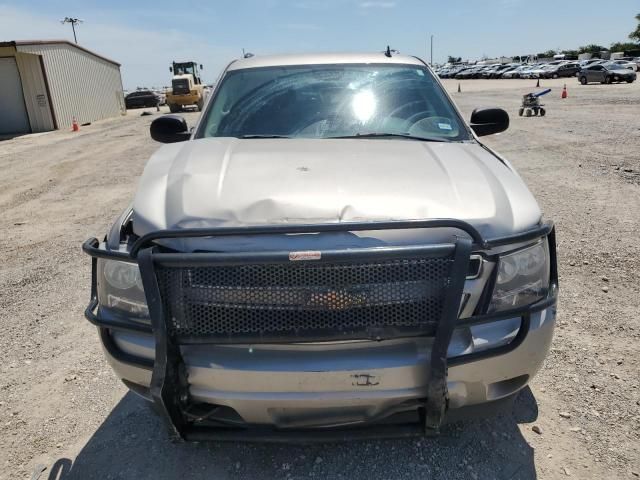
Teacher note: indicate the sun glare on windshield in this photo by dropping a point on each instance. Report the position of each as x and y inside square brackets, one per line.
[364, 105]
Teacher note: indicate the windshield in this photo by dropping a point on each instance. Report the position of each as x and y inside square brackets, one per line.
[183, 68]
[328, 101]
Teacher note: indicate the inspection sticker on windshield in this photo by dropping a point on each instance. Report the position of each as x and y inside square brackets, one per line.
[304, 256]
[445, 126]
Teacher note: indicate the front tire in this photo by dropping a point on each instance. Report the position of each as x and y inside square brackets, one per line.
[543, 112]
[521, 112]
[583, 80]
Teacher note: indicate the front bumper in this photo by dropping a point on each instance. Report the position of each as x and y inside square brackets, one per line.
[183, 99]
[414, 383]
[352, 383]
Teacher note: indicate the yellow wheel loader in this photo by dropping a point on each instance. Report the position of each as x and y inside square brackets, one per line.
[186, 87]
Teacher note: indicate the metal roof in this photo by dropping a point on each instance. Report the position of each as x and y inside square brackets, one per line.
[323, 59]
[17, 43]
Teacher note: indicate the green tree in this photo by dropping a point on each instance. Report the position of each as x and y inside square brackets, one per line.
[624, 46]
[452, 59]
[547, 54]
[592, 49]
[570, 53]
[635, 35]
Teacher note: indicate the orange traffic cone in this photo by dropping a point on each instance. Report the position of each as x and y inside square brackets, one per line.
[74, 125]
[564, 91]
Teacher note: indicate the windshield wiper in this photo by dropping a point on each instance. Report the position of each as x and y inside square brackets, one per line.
[262, 136]
[398, 135]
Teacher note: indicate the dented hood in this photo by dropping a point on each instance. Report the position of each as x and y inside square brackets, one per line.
[224, 182]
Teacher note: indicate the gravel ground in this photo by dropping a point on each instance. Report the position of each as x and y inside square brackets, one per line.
[63, 411]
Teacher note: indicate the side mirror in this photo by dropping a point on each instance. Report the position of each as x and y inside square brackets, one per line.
[201, 67]
[487, 121]
[169, 129]
[171, 69]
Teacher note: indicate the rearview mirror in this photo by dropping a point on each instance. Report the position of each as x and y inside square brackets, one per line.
[487, 121]
[169, 129]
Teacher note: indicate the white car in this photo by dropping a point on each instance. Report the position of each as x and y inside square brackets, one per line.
[538, 71]
[626, 64]
[516, 72]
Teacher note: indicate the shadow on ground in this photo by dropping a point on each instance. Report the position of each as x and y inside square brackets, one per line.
[132, 443]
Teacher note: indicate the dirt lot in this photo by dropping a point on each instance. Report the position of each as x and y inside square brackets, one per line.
[62, 408]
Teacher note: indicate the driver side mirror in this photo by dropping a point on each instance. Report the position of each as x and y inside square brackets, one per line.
[169, 129]
[487, 121]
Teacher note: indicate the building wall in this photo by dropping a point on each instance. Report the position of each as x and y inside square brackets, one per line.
[34, 88]
[7, 51]
[81, 85]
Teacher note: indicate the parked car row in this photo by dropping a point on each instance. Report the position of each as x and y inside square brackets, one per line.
[623, 70]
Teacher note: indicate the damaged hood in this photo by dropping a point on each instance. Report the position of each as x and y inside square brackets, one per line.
[225, 182]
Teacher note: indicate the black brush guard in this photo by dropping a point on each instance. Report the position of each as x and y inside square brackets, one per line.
[165, 273]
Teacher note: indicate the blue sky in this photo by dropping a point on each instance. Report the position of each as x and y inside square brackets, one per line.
[146, 36]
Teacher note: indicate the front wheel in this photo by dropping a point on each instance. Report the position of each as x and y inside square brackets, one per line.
[543, 112]
[583, 80]
[630, 80]
[528, 112]
[521, 112]
[608, 80]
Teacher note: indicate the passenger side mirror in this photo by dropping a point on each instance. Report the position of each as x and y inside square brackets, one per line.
[201, 67]
[171, 69]
[487, 121]
[169, 129]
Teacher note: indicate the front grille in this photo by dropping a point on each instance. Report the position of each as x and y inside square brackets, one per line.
[304, 299]
[180, 86]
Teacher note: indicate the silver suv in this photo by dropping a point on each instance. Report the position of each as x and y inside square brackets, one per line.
[330, 252]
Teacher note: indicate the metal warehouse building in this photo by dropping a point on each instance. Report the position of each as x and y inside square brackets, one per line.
[44, 84]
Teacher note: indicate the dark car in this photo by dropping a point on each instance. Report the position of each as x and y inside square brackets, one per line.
[142, 98]
[606, 73]
[564, 70]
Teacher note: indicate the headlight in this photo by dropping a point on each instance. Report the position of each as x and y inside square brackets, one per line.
[523, 278]
[120, 288]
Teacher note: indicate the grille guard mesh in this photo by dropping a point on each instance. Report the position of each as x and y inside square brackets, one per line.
[303, 300]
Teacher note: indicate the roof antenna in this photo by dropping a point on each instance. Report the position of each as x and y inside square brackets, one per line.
[388, 52]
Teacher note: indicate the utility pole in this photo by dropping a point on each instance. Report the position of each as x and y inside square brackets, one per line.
[73, 22]
[431, 50]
